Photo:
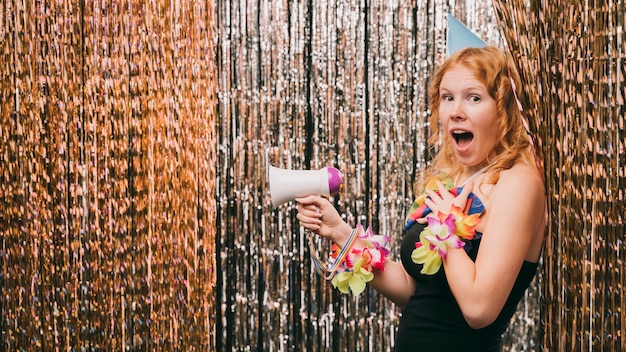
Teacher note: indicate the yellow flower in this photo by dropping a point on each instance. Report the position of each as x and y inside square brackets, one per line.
[353, 281]
[423, 254]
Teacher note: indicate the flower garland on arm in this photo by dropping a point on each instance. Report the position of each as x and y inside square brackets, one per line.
[444, 231]
[350, 269]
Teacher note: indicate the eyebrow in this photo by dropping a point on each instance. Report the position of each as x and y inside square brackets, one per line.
[470, 88]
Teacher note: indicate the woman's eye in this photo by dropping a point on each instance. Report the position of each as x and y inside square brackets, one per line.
[447, 98]
[475, 98]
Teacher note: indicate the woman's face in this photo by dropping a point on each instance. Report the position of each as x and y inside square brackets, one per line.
[468, 115]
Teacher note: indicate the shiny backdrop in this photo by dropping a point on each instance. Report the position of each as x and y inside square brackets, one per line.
[309, 84]
[107, 153]
[574, 68]
[135, 139]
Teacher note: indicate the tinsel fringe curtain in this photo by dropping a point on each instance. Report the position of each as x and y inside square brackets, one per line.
[108, 157]
[136, 136]
[572, 56]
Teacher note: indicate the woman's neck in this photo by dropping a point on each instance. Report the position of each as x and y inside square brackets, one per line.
[470, 173]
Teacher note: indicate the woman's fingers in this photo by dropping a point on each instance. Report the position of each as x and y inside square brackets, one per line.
[310, 210]
[317, 214]
[443, 199]
[433, 206]
[433, 195]
[443, 191]
[461, 199]
[309, 213]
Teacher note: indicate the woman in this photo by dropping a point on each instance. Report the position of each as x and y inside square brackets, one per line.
[458, 289]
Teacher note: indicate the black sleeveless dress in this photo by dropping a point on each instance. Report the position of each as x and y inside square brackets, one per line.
[432, 320]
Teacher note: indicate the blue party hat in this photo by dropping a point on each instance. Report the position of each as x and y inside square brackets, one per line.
[460, 37]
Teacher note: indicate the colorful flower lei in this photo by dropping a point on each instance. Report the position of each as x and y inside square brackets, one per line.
[350, 269]
[444, 231]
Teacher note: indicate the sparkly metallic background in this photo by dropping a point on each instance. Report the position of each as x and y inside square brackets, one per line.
[107, 152]
[135, 138]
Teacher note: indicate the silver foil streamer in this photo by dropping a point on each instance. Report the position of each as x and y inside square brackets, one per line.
[344, 84]
[310, 84]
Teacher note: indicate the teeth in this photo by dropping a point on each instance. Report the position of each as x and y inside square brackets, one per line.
[458, 132]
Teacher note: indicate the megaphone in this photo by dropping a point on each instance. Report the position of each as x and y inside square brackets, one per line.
[287, 185]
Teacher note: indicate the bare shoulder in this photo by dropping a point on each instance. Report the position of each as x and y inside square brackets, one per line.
[521, 178]
[521, 187]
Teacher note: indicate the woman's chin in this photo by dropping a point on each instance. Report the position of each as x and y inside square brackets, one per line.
[469, 160]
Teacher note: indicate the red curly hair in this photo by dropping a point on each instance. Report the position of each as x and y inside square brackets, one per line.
[496, 70]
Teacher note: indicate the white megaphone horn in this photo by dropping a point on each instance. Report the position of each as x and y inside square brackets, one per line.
[287, 185]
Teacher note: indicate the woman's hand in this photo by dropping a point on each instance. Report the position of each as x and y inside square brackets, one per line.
[318, 215]
[444, 200]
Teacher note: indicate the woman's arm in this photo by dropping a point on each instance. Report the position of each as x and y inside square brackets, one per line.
[318, 215]
[514, 228]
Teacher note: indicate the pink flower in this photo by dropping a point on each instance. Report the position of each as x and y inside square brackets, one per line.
[357, 269]
[435, 240]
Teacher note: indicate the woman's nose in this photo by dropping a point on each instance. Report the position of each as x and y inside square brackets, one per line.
[456, 111]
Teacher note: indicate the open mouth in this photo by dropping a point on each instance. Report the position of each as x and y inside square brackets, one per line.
[462, 138]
